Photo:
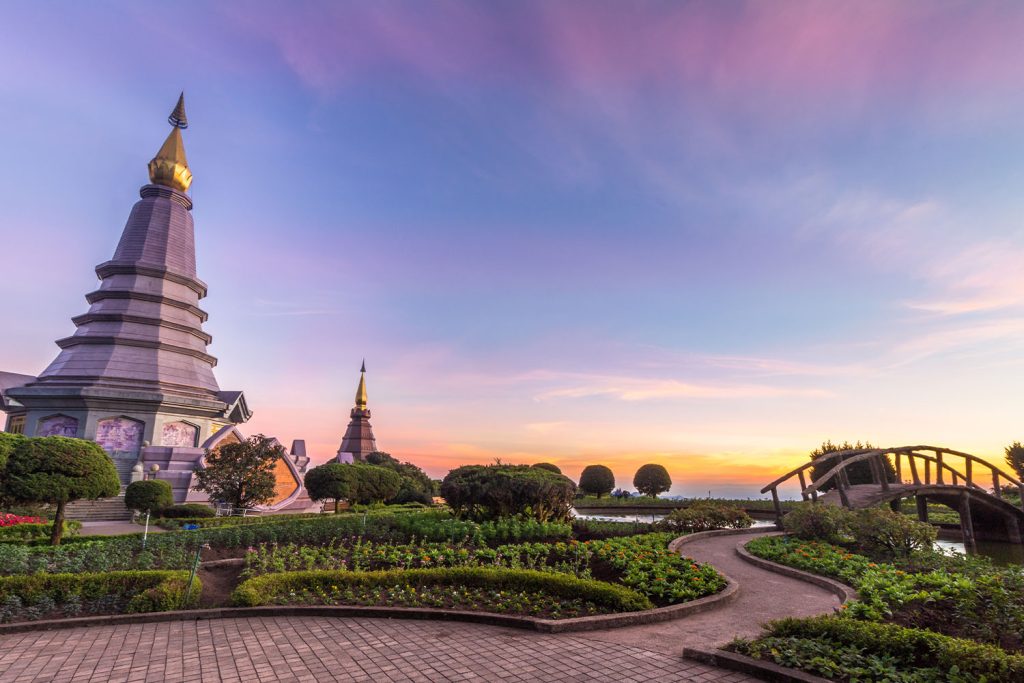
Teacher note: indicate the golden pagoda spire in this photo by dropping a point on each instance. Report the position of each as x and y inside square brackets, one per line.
[361, 391]
[170, 167]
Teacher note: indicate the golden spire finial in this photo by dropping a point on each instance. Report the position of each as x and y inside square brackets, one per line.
[170, 167]
[361, 391]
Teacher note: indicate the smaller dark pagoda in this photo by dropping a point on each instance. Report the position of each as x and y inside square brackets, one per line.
[358, 441]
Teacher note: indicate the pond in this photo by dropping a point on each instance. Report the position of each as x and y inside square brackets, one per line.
[644, 517]
[1003, 554]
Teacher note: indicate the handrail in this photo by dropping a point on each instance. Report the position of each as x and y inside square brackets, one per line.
[811, 463]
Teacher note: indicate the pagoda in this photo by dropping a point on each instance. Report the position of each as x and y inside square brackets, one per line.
[358, 441]
[136, 376]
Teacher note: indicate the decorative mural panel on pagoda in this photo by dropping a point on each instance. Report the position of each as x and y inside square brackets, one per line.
[179, 434]
[58, 425]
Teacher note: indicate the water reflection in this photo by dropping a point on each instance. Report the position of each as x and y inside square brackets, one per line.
[1003, 554]
[646, 517]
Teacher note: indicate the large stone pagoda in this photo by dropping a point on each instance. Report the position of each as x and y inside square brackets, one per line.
[136, 376]
[358, 441]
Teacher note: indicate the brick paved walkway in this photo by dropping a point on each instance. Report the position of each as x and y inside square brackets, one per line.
[318, 649]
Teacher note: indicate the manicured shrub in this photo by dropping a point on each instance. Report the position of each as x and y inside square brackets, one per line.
[373, 483]
[484, 492]
[266, 589]
[888, 534]
[36, 596]
[58, 470]
[187, 510]
[597, 480]
[149, 496]
[705, 515]
[547, 466]
[818, 521]
[415, 486]
[7, 443]
[330, 481]
[651, 479]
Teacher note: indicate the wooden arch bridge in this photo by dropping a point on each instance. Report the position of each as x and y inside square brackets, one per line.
[927, 473]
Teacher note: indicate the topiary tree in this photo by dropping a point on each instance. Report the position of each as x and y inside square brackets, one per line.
[597, 480]
[332, 481]
[58, 470]
[148, 496]
[858, 472]
[651, 479]
[416, 486]
[547, 466]
[1015, 458]
[492, 491]
[241, 474]
[374, 484]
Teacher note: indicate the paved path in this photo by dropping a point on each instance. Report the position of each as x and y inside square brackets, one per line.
[315, 649]
[117, 528]
[763, 596]
[318, 649]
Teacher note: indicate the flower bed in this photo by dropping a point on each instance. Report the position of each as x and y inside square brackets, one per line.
[510, 591]
[41, 596]
[848, 650]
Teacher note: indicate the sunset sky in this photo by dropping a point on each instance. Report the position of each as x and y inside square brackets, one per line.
[705, 234]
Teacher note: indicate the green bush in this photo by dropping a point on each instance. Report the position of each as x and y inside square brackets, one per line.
[485, 492]
[705, 516]
[265, 589]
[548, 466]
[187, 510]
[148, 496]
[818, 521]
[330, 481]
[652, 479]
[893, 650]
[37, 531]
[597, 480]
[38, 596]
[415, 485]
[884, 533]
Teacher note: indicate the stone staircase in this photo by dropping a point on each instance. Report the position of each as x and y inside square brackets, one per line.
[103, 509]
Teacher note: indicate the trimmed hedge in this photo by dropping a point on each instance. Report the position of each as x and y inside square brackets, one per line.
[37, 596]
[264, 589]
[188, 510]
[906, 648]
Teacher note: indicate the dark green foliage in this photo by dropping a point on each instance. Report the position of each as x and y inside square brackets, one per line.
[331, 481]
[494, 491]
[185, 510]
[241, 475]
[265, 589]
[374, 484]
[149, 496]
[819, 644]
[651, 479]
[818, 521]
[58, 470]
[416, 486]
[38, 595]
[882, 533]
[705, 515]
[34, 532]
[547, 466]
[590, 529]
[7, 444]
[1014, 458]
[597, 480]
[858, 472]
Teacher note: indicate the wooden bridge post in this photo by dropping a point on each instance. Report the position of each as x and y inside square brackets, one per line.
[896, 504]
[913, 468]
[967, 524]
[938, 468]
[778, 507]
[883, 472]
[803, 485]
[1013, 531]
[922, 508]
[899, 468]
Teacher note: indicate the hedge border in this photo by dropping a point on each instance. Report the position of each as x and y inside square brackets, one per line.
[766, 671]
[841, 590]
[576, 624]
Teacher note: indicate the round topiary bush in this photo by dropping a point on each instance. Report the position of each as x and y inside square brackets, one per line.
[597, 480]
[547, 466]
[331, 481]
[492, 491]
[705, 515]
[148, 496]
[651, 479]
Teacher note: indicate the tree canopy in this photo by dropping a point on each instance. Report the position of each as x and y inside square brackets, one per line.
[1015, 458]
[58, 470]
[241, 474]
[547, 466]
[493, 491]
[597, 480]
[331, 481]
[150, 496]
[652, 479]
[416, 486]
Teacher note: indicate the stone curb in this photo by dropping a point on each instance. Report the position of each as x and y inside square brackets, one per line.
[841, 590]
[767, 671]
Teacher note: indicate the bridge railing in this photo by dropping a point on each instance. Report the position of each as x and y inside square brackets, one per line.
[919, 465]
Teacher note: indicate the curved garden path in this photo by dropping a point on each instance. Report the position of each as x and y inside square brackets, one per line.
[763, 596]
[318, 649]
